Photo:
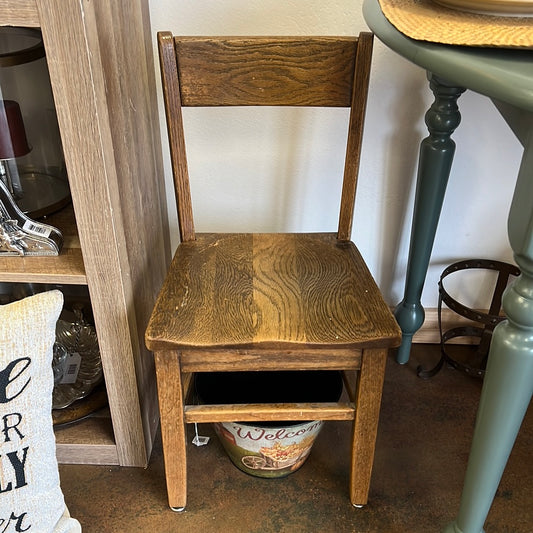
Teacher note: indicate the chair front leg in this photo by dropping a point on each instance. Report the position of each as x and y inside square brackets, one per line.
[365, 425]
[173, 430]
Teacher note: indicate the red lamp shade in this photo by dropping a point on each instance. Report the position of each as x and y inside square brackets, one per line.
[13, 142]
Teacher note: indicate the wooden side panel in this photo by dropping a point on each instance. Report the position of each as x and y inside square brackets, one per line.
[104, 176]
[273, 71]
[126, 51]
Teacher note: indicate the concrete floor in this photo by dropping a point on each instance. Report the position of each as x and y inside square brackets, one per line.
[422, 450]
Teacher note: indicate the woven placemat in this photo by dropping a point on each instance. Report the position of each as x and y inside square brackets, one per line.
[426, 20]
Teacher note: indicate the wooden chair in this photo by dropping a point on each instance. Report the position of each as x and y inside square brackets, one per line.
[260, 302]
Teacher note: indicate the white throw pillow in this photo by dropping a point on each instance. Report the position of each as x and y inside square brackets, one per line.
[30, 496]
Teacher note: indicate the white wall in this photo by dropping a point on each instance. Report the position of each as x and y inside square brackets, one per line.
[294, 147]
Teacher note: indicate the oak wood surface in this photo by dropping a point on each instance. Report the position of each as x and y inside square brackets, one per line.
[126, 47]
[355, 134]
[261, 359]
[87, 454]
[173, 433]
[172, 96]
[69, 30]
[365, 426]
[287, 71]
[263, 412]
[270, 290]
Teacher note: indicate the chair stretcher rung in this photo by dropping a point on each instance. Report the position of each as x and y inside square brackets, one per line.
[269, 412]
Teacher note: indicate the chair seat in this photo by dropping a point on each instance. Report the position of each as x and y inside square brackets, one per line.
[244, 290]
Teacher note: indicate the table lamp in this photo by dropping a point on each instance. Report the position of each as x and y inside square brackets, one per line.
[13, 144]
[31, 155]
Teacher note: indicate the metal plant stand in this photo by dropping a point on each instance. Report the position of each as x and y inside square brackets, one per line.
[482, 325]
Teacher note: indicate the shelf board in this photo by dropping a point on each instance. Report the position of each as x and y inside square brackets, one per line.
[19, 13]
[65, 268]
[89, 441]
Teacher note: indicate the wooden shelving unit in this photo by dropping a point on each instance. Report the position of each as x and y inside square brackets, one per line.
[100, 59]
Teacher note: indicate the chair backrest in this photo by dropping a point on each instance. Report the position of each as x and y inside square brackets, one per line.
[264, 71]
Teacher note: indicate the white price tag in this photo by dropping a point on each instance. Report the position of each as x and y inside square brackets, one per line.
[199, 440]
[71, 367]
[37, 229]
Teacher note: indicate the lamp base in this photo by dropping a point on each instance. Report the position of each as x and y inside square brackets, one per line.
[43, 194]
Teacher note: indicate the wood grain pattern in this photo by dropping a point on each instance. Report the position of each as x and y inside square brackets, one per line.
[126, 42]
[261, 359]
[67, 268]
[19, 13]
[87, 454]
[176, 138]
[173, 434]
[314, 71]
[365, 427]
[100, 58]
[270, 291]
[69, 31]
[264, 412]
[274, 71]
[89, 441]
[355, 134]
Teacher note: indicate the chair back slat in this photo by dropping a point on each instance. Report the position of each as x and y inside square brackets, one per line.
[281, 71]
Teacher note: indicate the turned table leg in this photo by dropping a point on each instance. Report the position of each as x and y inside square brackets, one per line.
[508, 383]
[435, 161]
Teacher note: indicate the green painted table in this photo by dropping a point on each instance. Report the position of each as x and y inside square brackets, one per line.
[505, 76]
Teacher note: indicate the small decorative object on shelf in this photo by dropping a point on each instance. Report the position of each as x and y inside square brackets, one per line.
[20, 235]
[58, 362]
[77, 364]
[79, 388]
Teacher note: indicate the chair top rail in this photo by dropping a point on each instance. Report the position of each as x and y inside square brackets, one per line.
[266, 71]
